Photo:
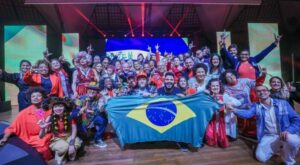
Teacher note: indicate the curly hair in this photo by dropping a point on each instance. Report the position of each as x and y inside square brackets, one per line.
[32, 90]
[81, 55]
[223, 75]
[222, 90]
[199, 65]
[39, 62]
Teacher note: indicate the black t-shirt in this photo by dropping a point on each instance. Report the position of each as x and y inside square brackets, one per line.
[161, 91]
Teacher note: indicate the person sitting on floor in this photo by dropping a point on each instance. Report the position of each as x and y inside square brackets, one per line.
[63, 128]
[278, 126]
[25, 124]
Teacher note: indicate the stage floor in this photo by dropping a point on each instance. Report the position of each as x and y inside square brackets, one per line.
[240, 152]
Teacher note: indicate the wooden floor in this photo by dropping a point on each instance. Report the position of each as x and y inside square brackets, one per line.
[240, 152]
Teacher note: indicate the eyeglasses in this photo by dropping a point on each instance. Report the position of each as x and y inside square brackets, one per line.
[245, 54]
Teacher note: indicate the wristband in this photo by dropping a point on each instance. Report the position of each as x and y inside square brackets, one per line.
[72, 142]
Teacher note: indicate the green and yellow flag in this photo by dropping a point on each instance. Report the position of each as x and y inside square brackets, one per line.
[181, 119]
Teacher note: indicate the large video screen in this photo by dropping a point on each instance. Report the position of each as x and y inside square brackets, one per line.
[70, 45]
[261, 35]
[129, 48]
[22, 42]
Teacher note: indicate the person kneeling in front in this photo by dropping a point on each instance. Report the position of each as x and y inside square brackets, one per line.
[278, 127]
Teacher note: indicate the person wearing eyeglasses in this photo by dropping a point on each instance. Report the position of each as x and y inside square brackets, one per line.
[278, 126]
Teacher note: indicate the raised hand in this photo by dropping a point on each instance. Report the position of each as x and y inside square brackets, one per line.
[90, 49]
[43, 124]
[46, 53]
[277, 38]
[264, 71]
[149, 48]
[191, 45]
[157, 47]
[62, 58]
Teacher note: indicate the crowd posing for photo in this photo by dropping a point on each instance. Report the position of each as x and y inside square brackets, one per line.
[62, 105]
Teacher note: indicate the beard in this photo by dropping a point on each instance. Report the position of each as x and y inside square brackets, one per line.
[169, 85]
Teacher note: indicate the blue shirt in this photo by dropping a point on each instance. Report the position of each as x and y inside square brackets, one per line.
[46, 84]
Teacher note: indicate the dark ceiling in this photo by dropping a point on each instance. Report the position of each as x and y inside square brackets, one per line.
[113, 19]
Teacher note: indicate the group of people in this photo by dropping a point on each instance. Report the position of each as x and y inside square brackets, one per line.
[62, 107]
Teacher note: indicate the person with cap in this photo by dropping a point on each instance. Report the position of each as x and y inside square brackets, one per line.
[63, 129]
[142, 87]
[91, 116]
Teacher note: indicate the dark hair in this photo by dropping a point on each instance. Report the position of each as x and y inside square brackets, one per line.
[39, 62]
[22, 61]
[134, 61]
[188, 58]
[244, 50]
[155, 65]
[140, 54]
[55, 59]
[32, 90]
[223, 75]
[106, 58]
[213, 80]
[199, 65]
[169, 74]
[280, 79]
[182, 77]
[220, 67]
[232, 46]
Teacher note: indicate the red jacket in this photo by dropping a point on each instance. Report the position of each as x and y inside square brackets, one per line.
[35, 79]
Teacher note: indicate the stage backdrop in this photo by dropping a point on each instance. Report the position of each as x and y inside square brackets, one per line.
[70, 45]
[22, 42]
[261, 35]
[131, 47]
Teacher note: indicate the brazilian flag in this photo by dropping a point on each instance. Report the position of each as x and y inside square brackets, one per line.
[181, 119]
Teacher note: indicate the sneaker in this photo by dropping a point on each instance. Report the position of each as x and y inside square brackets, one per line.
[183, 147]
[100, 144]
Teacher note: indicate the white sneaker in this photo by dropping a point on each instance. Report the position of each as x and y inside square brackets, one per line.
[100, 144]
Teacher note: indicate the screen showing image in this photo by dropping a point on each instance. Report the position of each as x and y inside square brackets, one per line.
[261, 35]
[129, 48]
[70, 45]
[22, 42]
